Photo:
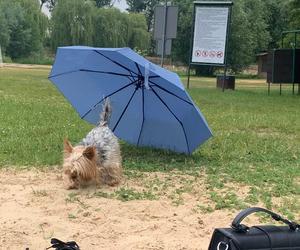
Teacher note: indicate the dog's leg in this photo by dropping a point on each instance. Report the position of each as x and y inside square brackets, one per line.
[111, 174]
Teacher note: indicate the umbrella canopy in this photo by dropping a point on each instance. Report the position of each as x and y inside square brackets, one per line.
[150, 105]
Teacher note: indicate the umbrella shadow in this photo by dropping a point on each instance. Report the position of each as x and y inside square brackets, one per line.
[152, 159]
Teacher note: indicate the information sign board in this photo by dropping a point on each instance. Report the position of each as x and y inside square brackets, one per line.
[210, 32]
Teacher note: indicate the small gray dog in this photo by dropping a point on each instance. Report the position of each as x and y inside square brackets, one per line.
[96, 158]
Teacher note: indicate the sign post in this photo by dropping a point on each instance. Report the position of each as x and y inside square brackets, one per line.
[165, 28]
[210, 34]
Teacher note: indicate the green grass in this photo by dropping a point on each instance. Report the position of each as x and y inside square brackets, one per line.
[127, 194]
[34, 118]
[256, 138]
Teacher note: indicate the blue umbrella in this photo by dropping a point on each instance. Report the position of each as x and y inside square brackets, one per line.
[150, 105]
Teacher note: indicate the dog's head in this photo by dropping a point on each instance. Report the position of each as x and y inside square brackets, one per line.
[79, 165]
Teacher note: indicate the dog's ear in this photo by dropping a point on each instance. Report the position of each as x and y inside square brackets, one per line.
[90, 153]
[68, 149]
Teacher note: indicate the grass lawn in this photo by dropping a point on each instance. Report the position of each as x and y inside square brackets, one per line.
[256, 141]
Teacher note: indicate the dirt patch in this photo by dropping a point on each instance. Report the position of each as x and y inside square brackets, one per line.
[35, 207]
[26, 66]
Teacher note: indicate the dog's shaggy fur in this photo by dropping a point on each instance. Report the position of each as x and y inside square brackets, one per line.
[96, 158]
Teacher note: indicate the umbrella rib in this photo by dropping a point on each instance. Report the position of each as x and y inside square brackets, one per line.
[138, 68]
[104, 72]
[131, 77]
[122, 66]
[107, 97]
[156, 85]
[143, 99]
[162, 101]
[124, 110]
[93, 71]
[64, 73]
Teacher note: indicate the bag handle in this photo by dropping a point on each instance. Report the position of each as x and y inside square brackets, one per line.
[236, 223]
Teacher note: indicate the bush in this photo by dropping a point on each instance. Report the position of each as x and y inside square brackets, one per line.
[7, 59]
[36, 58]
[23, 27]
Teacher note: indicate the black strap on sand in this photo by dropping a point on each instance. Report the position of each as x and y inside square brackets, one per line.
[60, 245]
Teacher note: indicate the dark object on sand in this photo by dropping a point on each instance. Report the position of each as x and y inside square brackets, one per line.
[60, 245]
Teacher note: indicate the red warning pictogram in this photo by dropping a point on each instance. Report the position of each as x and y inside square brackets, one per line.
[205, 53]
[212, 54]
[220, 54]
[198, 53]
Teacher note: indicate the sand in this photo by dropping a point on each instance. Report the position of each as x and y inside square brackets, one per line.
[35, 207]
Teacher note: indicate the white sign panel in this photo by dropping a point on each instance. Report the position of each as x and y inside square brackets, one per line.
[210, 34]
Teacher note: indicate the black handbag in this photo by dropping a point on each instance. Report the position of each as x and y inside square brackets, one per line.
[241, 237]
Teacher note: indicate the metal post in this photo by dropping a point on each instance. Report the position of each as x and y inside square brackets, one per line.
[294, 61]
[224, 76]
[296, 33]
[293, 88]
[164, 35]
[273, 62]
[191, 48]
[226, 48]
[188, 80]
[280, 88]
[269, 86]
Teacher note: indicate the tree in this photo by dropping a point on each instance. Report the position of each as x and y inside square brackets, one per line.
[143, 6]
[49, 3]
[149, 12]
[110, 29]
[137, 36]
[294, 14]
[136, 5]
[181, 45]
[5, 32]
[260, 37]
[103, 3]
[42, 3]
[25, 27]
[115, 29]
[72, 23]
[292, 23]
[241, 46]
[276, 17]
[79, 22]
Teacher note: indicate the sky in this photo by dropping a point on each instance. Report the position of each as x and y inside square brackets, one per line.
[120, 4]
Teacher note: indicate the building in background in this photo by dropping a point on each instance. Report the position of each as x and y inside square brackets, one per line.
[262, 60]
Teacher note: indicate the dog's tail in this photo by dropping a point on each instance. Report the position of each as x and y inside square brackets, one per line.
[106, 113]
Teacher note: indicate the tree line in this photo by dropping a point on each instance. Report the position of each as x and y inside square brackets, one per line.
[26, 31]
